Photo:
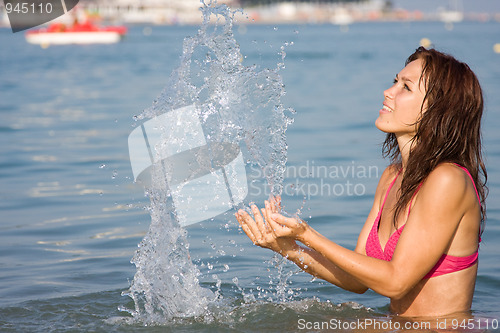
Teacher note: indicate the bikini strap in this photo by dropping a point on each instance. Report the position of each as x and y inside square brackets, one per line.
[470, 176]
[461, 167]
[475, 189]
[413, 196]
[472, 179]
[389, 189]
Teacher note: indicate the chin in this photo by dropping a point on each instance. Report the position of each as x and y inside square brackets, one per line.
[383, 126]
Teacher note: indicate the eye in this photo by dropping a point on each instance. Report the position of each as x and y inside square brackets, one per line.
[405, 86]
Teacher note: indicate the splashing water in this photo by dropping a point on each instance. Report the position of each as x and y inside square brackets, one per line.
[235, 104]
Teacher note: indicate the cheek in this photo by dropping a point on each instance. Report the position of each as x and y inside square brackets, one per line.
[411, 112]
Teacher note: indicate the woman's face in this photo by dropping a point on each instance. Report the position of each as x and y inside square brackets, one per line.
[402, 105]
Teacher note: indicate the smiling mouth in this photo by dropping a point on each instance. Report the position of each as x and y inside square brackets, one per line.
[386, 108]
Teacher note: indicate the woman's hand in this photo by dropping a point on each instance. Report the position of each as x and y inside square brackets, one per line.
[291, 227]
[283, 226]
[262, 230]
[269, 229]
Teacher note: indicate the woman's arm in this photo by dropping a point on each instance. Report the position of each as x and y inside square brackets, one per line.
[435, 217]
[306, 258]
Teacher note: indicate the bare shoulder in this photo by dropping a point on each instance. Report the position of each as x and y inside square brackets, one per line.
[447, 205]
[448, 177]
[390, 172]
[386, 178]
[447, 182]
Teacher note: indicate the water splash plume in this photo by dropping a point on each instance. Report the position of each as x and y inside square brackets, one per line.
[235, 105]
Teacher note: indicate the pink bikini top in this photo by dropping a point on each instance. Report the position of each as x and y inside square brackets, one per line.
[446, 264]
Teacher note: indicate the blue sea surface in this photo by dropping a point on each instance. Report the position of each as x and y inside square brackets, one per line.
[71, 215]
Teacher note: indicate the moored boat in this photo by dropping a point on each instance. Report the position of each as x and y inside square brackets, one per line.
[78, 33]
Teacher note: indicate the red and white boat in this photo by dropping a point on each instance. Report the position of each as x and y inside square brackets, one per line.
[78, 33]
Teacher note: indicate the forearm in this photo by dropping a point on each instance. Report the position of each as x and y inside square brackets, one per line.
[372, 273]
[317, 265]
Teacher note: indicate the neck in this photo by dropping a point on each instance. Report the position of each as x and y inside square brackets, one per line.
[404, 143]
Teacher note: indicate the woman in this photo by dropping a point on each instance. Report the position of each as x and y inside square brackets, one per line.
[419, 244]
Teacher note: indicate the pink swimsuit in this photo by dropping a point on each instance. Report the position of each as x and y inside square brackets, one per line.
[446, 264]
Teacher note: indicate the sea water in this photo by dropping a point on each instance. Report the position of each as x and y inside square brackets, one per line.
[71, 216]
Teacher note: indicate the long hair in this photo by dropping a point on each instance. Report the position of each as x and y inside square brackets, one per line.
[448, 131]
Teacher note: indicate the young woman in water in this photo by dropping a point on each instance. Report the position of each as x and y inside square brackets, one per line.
[419, 244]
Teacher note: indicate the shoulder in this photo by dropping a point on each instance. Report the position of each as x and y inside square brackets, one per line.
[447, 182]
[448, 177]
[390, 172]
[386, 178]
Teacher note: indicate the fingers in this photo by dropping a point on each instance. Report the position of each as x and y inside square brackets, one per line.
[268, 209]
[278, 201]
[267, 225]
[283, 220]
[259, 221]
[275, 203]
[267, 212]
[255, 228]
[248, 225]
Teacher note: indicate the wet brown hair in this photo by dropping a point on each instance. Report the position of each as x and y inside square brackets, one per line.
[448, 131]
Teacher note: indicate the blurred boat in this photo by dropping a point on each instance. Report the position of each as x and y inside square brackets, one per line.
[453, 14]
[85, 33]
[342, 17]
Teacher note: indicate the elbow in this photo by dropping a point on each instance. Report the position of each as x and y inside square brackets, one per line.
[397, 285]
[355, 287]
[359, 290]
[396, 291]
[396, 295]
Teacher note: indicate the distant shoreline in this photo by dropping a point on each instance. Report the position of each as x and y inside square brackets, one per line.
[277, 13]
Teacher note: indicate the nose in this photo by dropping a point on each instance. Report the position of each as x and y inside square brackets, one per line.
[388, 93]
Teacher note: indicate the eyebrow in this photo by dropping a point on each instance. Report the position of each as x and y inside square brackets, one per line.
[404, 78]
